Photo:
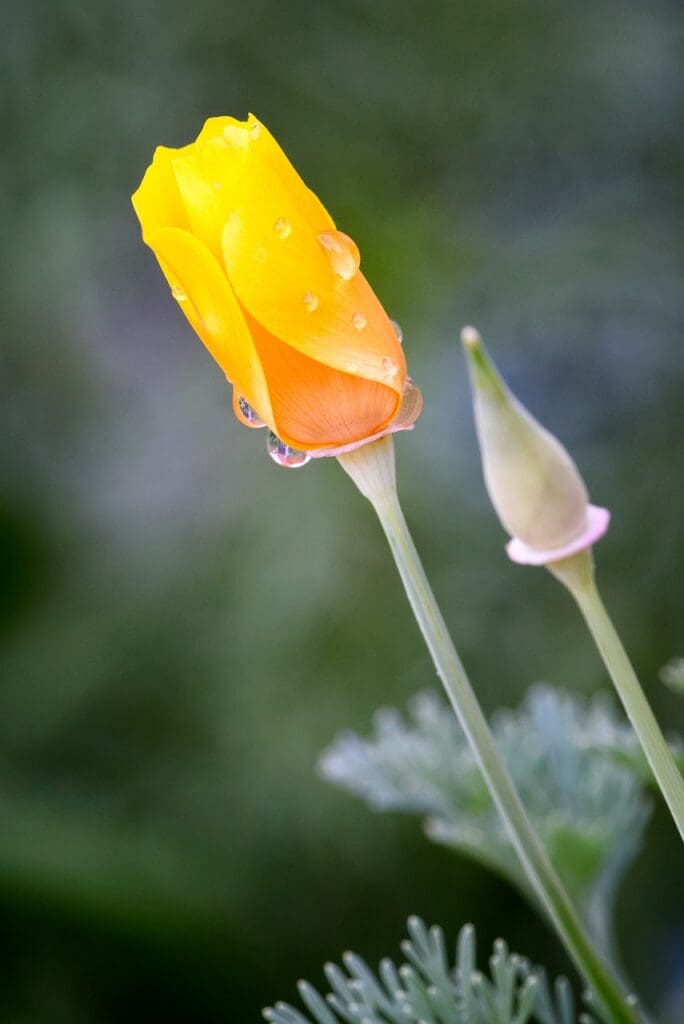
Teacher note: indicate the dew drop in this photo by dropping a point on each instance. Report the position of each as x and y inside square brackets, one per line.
[250, 415]
[281, 453]
[178, 293]
[343, 253]
[282, 227]
[397, 330]
[359, 321]
[310, 301]
[389, 366]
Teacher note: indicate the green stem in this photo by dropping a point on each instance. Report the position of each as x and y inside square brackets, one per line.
[577, 574]
[372, 469]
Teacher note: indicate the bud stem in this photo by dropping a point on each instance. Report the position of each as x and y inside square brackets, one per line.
[577, 574]
[371, 467]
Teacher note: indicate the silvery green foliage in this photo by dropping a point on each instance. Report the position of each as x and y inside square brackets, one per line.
[578, 769]
[426, 989]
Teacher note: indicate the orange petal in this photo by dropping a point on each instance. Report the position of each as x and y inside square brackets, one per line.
[157, 200]
[315, 406]
[204, 294]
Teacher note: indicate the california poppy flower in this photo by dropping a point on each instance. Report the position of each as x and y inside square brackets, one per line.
[274, 291]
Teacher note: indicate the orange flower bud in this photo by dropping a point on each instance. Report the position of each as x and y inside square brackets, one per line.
[274, 291]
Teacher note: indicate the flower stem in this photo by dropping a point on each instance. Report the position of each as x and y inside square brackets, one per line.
[577, 574]
[372, 470]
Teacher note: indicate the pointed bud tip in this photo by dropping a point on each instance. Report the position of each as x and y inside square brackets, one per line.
[470, 337]
[483, 373]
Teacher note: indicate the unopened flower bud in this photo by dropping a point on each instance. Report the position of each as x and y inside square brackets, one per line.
[531, 479]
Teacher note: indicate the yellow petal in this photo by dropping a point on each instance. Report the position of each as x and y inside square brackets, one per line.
[202, 200]
[208, 174]
[204, 294]
[279, 258]
[280, 249]
[157, 200]
[315, 406]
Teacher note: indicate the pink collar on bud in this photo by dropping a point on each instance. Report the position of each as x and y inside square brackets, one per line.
[597, 524]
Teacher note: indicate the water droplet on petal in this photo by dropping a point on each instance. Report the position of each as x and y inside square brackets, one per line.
[351, 367]
[281, 453]
[250, 415]
[178, 293]
[389, 366]
[282, 227]
[310, 301]
[397, 330]
[359, 321]
[342, 252]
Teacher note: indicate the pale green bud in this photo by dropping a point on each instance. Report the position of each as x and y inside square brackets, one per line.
[532, 481]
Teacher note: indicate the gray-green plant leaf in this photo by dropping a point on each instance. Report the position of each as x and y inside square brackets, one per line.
[578, 769]
[429, 989]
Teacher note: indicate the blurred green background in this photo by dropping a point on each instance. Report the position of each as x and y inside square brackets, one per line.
[184, 625]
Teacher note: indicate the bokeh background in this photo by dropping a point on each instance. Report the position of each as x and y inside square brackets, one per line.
[184, 625]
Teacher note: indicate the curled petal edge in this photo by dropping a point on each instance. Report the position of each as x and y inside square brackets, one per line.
[598, 520]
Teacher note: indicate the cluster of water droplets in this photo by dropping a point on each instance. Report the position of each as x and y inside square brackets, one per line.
[344, 257]
[281, 453]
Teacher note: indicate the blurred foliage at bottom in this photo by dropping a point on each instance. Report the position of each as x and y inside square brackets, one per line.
[184, 626]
